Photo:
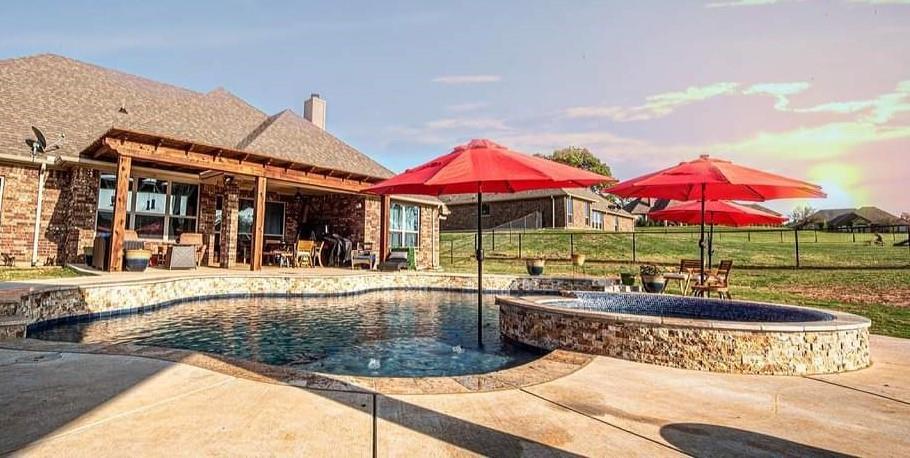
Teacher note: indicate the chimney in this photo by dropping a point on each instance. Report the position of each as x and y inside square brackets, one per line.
[314, 110]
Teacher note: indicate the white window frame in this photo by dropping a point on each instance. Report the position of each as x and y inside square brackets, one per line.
[587, 213]
[404, 205]
[134, 193]
[597, 220]
[570, 210]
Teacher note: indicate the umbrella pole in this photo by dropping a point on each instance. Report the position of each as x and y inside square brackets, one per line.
[701, 240]
[711, 243]
[479, 271]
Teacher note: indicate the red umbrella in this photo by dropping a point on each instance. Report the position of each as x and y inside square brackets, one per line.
[716, 212]
[720, 212]
[483, 166]
[707, 178]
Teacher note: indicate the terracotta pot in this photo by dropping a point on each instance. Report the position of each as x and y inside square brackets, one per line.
[578, 260]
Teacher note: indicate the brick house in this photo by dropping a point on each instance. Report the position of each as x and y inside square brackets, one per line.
[546, 208]
[163, 160]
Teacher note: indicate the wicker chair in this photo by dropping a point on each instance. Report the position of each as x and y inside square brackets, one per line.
[303, 253]
[196, 239]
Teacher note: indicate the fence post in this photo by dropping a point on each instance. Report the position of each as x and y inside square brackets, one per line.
[816, 234]
[634, 255]
[749, 235]
[571, 245]
[781, 236]
[519, 245]
[493, 240]
[853, 233]
[796, 240]
[452, 251]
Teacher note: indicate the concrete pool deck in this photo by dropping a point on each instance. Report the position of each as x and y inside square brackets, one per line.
[54, 403]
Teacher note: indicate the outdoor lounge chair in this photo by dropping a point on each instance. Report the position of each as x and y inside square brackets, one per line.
[717, 281]
[303, 253]
[364, 257]
[689, 269]
[397, 260]
[197, 240]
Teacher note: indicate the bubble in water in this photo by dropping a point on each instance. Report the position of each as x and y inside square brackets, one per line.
[374, 364]
[458, 349]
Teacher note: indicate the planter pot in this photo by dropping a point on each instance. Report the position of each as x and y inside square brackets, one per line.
[627, 279]
[653, 283]
[578, 260]
[137, 260]
[535, 266]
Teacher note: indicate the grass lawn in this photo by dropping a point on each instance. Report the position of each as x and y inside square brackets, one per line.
[756, 248]
[882, 295]
[26, 273]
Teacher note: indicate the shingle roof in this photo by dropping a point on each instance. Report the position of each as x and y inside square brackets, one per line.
[83, 101]
[644, 205]
[842, 216]
[586, 194]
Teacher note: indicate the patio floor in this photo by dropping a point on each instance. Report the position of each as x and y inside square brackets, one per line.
[98, 405]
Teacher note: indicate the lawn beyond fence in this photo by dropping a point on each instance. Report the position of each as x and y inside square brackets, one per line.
[758, 248]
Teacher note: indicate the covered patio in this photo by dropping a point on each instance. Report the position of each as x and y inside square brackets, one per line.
[244, 204]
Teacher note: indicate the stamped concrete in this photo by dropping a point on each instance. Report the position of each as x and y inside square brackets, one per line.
[62, 403]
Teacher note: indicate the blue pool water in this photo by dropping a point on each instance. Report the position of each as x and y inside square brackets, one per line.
[391, 333]
[666, 305]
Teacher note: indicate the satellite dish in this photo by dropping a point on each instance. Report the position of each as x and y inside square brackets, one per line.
[39, 144]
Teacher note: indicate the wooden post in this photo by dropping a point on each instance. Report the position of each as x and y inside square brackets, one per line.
[796, 241]
[384, 214]
[519, 245]
[118, 225]
[258, 223]
[634, 254]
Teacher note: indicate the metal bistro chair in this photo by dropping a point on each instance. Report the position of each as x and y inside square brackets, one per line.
[717, 281]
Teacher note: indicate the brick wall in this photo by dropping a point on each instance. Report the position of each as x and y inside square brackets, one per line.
[464, 217]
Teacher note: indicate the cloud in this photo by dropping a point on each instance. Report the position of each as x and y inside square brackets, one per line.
[466, 123]
[467, 79]
[882, 2]
[465, 107]
[879, 110]
[741, 3]
[780, 91]
[655, 106]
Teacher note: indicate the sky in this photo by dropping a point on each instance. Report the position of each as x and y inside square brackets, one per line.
[812, 89]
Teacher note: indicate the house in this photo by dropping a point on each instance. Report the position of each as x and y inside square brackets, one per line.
[866, 219]
[162, 160]
[568, 208]
[639, 207]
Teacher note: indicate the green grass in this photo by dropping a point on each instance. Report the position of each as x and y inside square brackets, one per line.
[26, 273]
[882, 295]
[755, 248]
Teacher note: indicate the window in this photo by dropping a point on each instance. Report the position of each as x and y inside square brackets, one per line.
[587, 213]
[404, 222]
[274, 218]
[484, 209]
[615, 223]
[570, 210]
[597, 220]
[156, 209]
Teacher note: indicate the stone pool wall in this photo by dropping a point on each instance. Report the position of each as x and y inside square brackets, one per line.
[62, 303]
[745, 348]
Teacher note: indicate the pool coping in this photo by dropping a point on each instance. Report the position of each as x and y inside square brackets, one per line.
[550, 366]
[842, 320]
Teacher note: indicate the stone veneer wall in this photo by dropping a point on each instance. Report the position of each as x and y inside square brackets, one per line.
[722, 349]
[63, 302]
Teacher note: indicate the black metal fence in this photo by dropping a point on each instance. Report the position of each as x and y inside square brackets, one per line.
[763, 247]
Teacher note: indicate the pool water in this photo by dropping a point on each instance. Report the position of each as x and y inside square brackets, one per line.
[390, 333]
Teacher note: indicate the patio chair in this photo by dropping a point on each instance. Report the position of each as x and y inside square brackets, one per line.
[317, 254]
[303, 253]
[197, 240]
[717, 281]
[364, 256]
[688, 270]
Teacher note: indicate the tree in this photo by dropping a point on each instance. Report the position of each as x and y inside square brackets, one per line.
[583, 159]
[801, 213]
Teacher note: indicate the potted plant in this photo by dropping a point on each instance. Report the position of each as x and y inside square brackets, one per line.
[652, 278]
[535, 266]
[137, 260]
[88, 253]
[626, 278]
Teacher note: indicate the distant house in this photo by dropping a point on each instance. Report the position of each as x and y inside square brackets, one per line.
[546, 208]
[641, 206]
[865, 219]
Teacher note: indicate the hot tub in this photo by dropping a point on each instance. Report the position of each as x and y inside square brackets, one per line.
[692, 333]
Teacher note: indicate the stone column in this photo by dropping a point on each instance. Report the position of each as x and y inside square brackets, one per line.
[230, 206]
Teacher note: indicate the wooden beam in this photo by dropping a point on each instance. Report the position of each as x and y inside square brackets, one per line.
[118, 226]
[258, 223]
[187, 158]
[384, 214]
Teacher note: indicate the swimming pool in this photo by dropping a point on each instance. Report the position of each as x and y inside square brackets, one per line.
[389, 333]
